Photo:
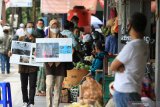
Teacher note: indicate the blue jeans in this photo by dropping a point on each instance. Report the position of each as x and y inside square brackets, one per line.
[126, 99]
[5, 63]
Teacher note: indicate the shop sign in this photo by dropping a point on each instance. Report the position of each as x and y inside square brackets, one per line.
[126, 38]
[20, 3]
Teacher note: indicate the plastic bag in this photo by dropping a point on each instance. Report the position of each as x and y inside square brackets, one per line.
[90, 91]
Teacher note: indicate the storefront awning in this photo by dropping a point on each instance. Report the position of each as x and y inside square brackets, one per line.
[63, 6]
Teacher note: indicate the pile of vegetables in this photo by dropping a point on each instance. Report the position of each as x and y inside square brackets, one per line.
[81, 65]
[89, 58]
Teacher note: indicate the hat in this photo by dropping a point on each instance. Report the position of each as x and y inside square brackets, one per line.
[86, 38]
[6, 28]
[21, 25]
[54, 21]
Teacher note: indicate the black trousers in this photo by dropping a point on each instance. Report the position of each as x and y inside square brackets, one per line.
[32, 78]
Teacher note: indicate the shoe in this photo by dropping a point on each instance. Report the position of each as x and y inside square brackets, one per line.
[30, 105]
[24, 104]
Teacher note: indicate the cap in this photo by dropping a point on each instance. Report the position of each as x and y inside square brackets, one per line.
[6, 27]
[21, 25]
[54, 21]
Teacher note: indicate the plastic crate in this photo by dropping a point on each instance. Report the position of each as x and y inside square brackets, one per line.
[74, 93]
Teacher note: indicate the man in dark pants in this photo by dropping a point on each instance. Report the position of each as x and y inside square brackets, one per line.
[39, 31]
[28, 72]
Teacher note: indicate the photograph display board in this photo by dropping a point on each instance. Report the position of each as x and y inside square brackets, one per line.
[53, 50]
[23, 53]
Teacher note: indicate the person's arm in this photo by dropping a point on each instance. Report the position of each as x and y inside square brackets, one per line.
[97, 65]
[9, 47]
[117, 66]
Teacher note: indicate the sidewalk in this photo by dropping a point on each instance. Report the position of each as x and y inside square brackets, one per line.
[14, 80]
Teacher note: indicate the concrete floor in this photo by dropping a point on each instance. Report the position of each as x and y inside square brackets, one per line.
[14, 80]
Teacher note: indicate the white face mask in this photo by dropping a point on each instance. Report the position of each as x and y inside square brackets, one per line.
[54, 30]
[29, 30]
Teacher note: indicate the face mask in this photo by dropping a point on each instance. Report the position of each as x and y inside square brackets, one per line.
[40, 28]
[54, 30]
[30, 30]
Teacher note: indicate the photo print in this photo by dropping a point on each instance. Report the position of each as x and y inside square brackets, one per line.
[47, 50]
[21, 48]
[24, 59]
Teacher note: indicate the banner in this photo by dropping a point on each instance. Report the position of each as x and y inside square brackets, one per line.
[23, 53]
[54, 50]
[20, 3]
[63, 6]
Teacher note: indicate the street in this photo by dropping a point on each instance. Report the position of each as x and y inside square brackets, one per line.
[14, 80]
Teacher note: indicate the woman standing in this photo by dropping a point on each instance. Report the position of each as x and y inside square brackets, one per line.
[55, 71]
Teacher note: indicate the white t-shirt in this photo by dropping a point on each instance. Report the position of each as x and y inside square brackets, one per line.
[134, 57]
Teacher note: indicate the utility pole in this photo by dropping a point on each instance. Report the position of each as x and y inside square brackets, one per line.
[105, 12]
[157, 72]
[1, 1]
[12, 20]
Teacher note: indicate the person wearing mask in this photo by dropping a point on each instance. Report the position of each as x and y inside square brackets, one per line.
[5, 41]
[68, 27]
[55, 71]
[28, 73]
[39, 31]
[87, 45]
[129, 65]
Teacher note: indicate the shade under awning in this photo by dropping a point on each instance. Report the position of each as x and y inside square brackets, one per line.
[63, 6]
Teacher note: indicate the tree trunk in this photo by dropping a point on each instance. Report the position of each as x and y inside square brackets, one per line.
[34, 11]
[19, 15]
[28, 14]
